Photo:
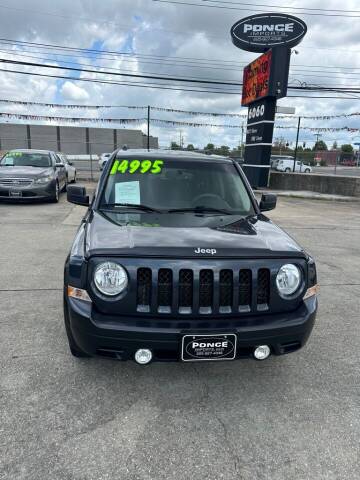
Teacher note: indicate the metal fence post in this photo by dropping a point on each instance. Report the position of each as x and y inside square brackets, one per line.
[28, 134]
[91, 164]
[148, 128]
[58, 138]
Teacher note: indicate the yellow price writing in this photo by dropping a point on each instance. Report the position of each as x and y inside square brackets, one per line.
[137, 166]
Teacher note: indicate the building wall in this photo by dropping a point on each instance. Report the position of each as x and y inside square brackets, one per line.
[71, 140]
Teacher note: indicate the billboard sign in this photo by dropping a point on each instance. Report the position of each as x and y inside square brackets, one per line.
[256, 79]
[259, 33]
[266, 76]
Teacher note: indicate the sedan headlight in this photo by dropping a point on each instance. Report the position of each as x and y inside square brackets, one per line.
[110, 278]
[288, 279]
[46, 179]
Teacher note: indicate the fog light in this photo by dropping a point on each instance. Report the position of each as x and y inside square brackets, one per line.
[262, 352]
[143, 356]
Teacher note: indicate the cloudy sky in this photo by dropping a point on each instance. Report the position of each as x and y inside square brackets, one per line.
[174, 39]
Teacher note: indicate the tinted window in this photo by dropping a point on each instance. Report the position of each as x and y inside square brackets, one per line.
[173, 184]
[21, 159]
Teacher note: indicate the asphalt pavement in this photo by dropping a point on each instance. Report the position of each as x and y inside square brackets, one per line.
[292, 417]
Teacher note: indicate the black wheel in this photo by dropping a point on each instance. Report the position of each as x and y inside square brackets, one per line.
[56, 194]
[307, 171]
[74, 348]
[287, 170]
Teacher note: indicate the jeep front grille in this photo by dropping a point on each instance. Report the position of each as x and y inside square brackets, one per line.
[144, 284]
[186, 280]
[203, 291]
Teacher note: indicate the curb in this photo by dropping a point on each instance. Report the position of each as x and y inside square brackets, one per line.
[311, 196]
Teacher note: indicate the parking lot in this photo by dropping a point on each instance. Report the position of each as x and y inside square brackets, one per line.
[290, 417]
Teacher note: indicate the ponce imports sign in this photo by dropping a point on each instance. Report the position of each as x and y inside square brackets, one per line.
[265, 80]
[258, 33]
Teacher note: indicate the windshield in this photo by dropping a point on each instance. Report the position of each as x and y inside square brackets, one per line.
[21, 159]
[171, 185]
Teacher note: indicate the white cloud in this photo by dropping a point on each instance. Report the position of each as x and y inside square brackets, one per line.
[73, 92]
[151, 28]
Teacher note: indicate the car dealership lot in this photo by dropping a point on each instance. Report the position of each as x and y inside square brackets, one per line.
[295, 416]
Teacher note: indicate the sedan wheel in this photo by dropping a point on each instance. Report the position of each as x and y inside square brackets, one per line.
[55, 197]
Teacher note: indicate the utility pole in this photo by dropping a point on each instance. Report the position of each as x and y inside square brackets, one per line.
[242, 141]
[296, 145]
[317, 135]
[181, 140]
[148, 128]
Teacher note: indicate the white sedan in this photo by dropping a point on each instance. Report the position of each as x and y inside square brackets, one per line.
[70, 169]
[104, 157]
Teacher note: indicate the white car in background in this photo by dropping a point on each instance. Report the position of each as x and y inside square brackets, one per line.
[104, 157]
[70, 169]
[287, 165]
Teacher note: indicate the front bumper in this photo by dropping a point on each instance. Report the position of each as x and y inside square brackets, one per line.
[32, 191]
[119, 338]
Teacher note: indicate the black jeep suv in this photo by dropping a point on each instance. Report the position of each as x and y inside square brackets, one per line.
[174, 260]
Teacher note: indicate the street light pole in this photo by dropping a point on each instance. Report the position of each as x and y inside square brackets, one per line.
[317, 135]
[296, 145]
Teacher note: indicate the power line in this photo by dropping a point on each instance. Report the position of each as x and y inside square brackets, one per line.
[349, 89]
[161, 86]
[172, 31]
[156, 86]
[223, 7]
[194, 60]
[296, 73]
[280, 6]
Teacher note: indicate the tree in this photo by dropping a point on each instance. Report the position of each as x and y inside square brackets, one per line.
[174, 146]
[223, 150]
[210, 147]
[320, 145]
[347, 148]
[190, 147]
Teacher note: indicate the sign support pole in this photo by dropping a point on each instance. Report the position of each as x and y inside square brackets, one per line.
[297, 142]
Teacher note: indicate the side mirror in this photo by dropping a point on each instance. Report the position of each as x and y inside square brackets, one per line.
[267, 202]
[77, 195]
[70, 163]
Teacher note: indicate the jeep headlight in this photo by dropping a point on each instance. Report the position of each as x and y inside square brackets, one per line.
[110, 278]
[46, 179]
[288, 279]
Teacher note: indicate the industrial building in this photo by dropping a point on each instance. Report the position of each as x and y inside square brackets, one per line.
[71, 140]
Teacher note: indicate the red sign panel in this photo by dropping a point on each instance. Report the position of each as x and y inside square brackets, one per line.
[256, 80]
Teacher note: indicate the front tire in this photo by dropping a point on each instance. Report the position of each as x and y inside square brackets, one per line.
[307, 171]
[56, 194]
[287, 170]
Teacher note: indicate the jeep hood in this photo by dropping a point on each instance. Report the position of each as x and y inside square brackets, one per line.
[231, 236]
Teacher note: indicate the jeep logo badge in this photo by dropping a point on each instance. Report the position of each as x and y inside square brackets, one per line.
[205, 251]
[258, 33]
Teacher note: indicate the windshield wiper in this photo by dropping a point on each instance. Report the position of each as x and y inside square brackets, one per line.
[135, 206]
[200, 209]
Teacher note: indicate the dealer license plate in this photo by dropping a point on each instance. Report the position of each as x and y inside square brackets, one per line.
[208, 347]
[15, 193]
